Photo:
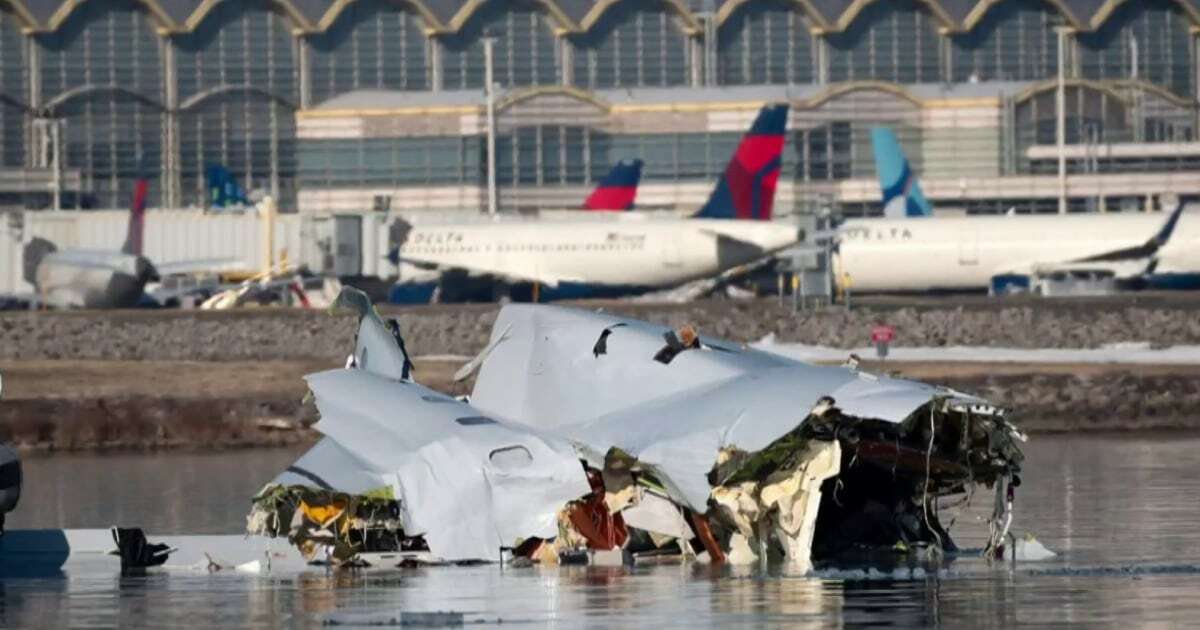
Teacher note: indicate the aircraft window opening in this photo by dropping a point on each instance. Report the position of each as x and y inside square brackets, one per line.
[474, 421]
[511, 457]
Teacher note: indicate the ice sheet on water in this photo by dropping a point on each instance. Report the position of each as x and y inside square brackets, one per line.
[872, 573]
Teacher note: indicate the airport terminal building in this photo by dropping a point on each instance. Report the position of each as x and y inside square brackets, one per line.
[349, 105]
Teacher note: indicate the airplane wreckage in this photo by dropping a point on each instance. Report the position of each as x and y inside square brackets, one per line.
[587, 432]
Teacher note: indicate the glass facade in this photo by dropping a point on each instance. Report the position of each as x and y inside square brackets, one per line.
[895, 41]
[1015, 41]
[1158, 30]
[525, 53]
[101, 72]
[239, 89]
[635, 43]
[677, 156]
[549, 155]
[765, 42]
[372, 44]
[248, 132]
[13, 93]
[391, 162]
[164, 97]
[1092, 117]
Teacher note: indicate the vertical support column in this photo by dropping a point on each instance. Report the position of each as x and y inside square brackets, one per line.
[1008, 122]
[707, 48]
[171, 171]
[696, 46]
[434, 46]
[1136, 92]
[34, 96]
[56, 163]
[566, 56]
[821, 50]
[1060, 125]
[275, 133]
[489, 91]
[305, 68]
[945, 55]
[1195, 30]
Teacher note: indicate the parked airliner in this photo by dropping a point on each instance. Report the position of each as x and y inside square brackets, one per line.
[628, 252]
[96, 278]
[909, 251]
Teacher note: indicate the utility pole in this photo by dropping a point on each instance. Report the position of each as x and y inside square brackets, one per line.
[1060, 124]
[489, 91]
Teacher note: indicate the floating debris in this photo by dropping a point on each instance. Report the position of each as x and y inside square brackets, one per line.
[586, 435]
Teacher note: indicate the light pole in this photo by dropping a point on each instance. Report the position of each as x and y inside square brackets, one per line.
[489, 91]
[1060, 122]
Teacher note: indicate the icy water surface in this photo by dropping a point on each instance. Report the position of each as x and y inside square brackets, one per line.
[1122, 512]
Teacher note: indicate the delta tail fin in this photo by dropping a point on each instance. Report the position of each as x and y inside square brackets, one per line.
[902, 196]
[618, 189]
[747, 188]
[223, 189]
[137, 218]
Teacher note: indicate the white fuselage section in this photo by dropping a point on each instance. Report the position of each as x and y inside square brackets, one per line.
[964, 253]
[91, 279]
[621, 251]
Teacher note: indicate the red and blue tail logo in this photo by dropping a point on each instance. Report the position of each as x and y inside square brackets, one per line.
[747, 189]
[137, 218]
[618, 189]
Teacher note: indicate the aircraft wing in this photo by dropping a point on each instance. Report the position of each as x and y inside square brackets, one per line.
[731, 241]
[1118, 269]
[506, 271]
[1124, 263]
[208, 265]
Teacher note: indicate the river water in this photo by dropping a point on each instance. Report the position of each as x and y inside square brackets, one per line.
[1121, 511]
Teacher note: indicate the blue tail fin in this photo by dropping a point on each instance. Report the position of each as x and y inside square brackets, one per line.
[223, 189]
[747, 188]
[618, 189]
[902, 196]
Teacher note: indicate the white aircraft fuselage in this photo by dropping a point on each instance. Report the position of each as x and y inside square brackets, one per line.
[964, 253]
[625, 251]
[92, 279]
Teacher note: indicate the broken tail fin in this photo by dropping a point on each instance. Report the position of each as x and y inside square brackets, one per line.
[378, 346]
[902, 196]
[618, 189]
[747, 188]
[137, 218]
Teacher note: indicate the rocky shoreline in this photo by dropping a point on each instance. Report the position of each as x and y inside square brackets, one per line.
[202, 380]
[237, 410]
[270, 334]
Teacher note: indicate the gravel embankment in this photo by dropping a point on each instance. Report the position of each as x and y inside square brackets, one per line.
[202, 380]
[464, 329]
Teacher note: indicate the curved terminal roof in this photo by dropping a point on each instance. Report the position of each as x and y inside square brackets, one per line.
[389, 102]
[580, 15]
